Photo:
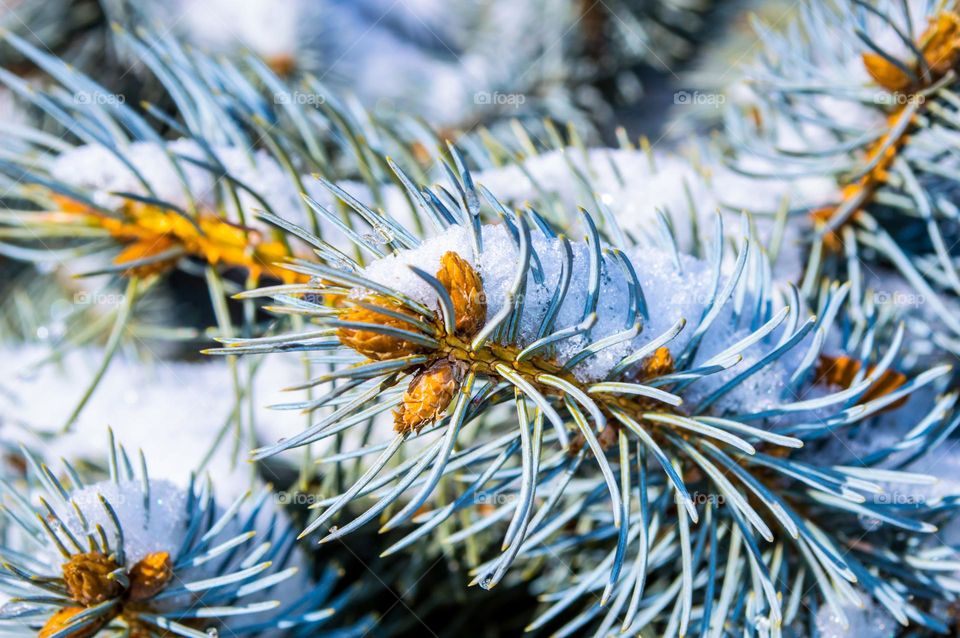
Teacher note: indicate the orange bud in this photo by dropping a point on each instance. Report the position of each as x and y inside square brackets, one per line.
[466, 290]
[150, 575]
[941, 43]
[146, 230]
[886, 73]
[283, 64]
[68, 204]
[420, 152]
[374, 345]
[841, 371]
[142, 250]
[429, 394]
[656, 365]
[61, 619]
[837, 371]
[820, 216]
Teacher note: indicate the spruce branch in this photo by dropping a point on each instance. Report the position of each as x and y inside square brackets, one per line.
[143, 556]
[657, 414]
[106, 193]
[864, 92]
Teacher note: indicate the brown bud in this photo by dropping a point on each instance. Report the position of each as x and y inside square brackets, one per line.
[889, 381]
[466, 290]
[374, 345]
[150, 575]
[428, 396]
[283, 64]
[88, 578]
[609, 436]
[886, 73]
[62, 618]
[841, 371]
[576, 444]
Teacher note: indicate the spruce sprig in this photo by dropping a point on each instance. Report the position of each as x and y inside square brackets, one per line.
[679, 442]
